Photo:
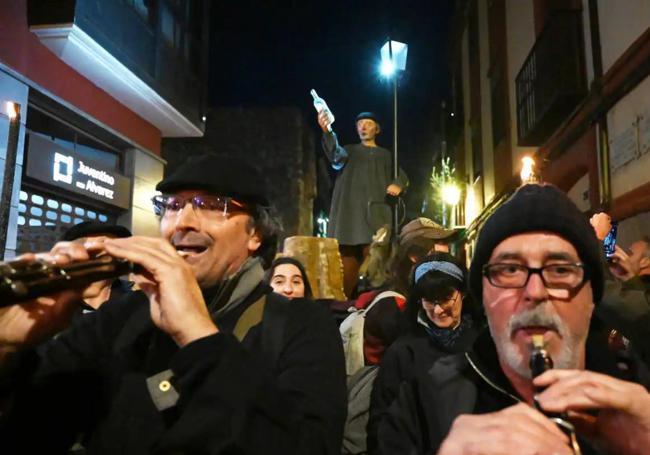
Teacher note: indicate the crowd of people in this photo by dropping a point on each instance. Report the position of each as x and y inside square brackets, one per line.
[215, 345]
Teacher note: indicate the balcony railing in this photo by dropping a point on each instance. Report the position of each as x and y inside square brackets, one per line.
[552, 80]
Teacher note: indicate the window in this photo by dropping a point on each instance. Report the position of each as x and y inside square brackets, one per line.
[42, 220]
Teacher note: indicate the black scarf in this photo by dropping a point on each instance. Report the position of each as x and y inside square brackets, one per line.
[444, 337]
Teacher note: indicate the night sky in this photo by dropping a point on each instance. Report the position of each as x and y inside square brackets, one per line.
[271, 53]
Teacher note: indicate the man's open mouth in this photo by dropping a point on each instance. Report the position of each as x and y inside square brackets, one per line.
[531, 330]
[187, 251]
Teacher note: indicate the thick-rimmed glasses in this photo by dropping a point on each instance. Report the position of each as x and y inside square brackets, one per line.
[442, 303]
[209, 206]
[555, 276]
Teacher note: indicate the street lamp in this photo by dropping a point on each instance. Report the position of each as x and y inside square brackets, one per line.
[393, 61]
[527, 173]
[450, 195]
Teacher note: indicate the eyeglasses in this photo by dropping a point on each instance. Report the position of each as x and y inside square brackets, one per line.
[214, 207]
[442, 303]
[554, 276]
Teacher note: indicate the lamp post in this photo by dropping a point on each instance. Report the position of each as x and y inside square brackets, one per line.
[13, 112]
[393, 61]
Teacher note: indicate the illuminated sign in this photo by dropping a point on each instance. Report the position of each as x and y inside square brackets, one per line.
[49, 162]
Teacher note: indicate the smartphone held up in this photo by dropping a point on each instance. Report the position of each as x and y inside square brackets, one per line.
[609, 243]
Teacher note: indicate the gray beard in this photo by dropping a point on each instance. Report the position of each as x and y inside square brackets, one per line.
[572, 344]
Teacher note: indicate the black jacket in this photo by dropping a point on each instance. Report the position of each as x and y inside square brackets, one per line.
[230, 398]
[467, 383]
[409, 356]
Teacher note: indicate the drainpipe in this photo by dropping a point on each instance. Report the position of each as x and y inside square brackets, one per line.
[602, 138]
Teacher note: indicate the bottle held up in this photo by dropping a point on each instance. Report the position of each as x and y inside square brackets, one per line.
[321, 106]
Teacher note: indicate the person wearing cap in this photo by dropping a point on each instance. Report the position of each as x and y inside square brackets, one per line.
[204, 359]
[538, 271]
[416, 239]
[359, 205]
[100, 291]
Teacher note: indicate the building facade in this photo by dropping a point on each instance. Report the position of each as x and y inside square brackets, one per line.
[565, 82]
[98, 85]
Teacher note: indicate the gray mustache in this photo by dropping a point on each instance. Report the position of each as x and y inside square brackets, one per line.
[536, 317]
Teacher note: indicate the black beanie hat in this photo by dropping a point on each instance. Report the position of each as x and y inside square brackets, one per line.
[538, 207]
[222, 175]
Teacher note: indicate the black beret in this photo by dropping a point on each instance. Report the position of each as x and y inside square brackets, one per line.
[224, 176]
[92, 229]
[368, 115]
[538, 207]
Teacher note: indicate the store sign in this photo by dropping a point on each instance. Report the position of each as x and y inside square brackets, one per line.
[50, 163]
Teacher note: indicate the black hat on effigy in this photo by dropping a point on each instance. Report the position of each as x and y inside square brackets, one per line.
[220, 175]
[368, 115]
[539, 207]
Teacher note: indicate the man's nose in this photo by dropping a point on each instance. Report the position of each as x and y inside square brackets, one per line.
[535, 290]
[187, 218]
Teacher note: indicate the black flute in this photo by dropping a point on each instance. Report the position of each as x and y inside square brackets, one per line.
[23, 280]
[540, 361]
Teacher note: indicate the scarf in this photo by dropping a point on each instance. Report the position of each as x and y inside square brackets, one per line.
[232, 291]
[443, 337]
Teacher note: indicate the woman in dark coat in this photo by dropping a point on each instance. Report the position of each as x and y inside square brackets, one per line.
[441, 321]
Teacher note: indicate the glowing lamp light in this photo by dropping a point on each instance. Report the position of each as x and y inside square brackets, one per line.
[386, 68]
[390, 65]
[451, 194]
[10, 108]
[527, 173]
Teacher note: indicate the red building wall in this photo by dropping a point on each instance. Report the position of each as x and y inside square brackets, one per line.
[22, 52]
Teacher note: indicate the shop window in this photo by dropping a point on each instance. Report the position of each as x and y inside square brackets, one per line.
[43, 220]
